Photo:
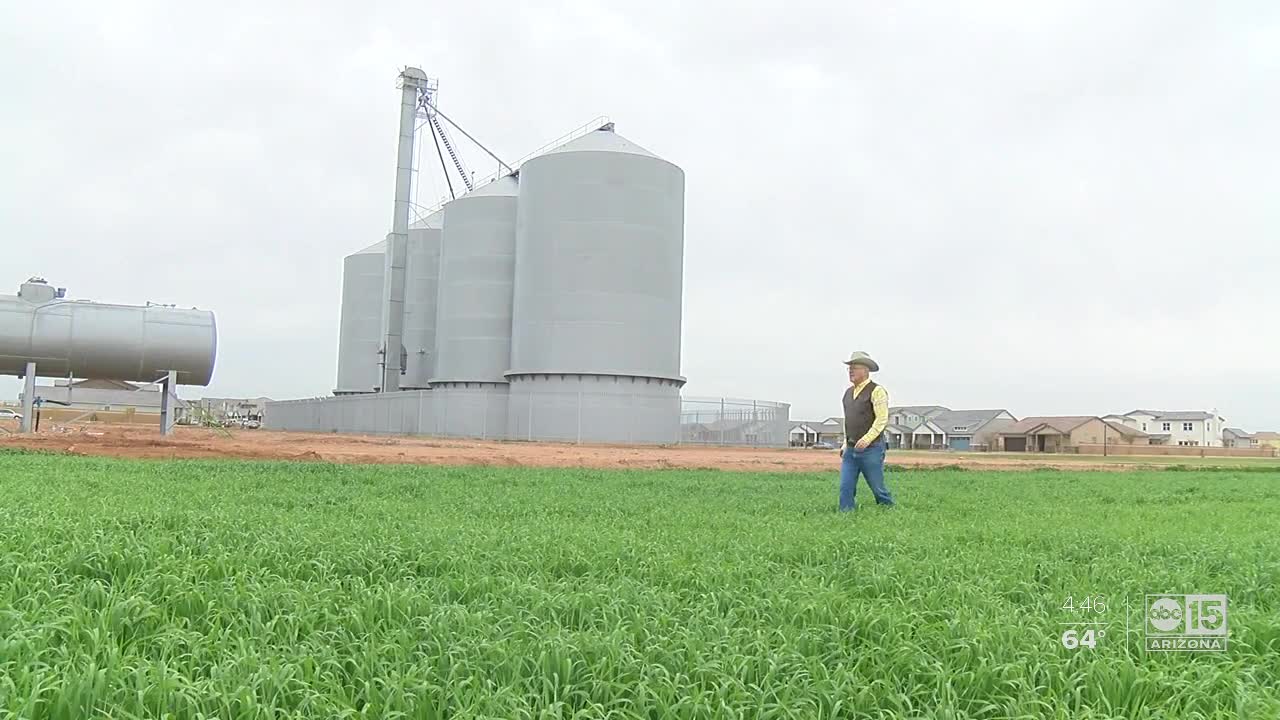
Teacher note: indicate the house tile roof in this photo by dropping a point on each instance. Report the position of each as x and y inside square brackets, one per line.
[928, 427]
[1174, 414]
[1192, 415]
[952, 421]
[1125, 430]
[1063, 424]
[1267, 435]
[1238, 433]
[820, 426]
[924, 410]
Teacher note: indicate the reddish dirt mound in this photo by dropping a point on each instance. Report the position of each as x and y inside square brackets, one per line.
[144, 442]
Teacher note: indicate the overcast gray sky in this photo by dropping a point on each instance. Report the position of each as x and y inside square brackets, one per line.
[1049, 207]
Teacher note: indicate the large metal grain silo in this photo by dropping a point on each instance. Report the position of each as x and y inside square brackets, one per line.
[422, 273]
[595, 347]
[361, 322]
[473, 321]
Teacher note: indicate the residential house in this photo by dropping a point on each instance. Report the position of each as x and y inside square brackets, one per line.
[933, 427]
[897, 436]
[1058, 434]
[811, 432]
[912, 415]
[803, 434]
[971, 429]
[1237, 438]
[1189, 428]
[905, 420]
[1267, 439]
[926, 435]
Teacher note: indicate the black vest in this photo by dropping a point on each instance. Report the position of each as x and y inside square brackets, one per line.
[859, 414]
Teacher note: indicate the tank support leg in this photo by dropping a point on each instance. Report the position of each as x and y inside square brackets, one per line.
[167, 394]
[29, 399]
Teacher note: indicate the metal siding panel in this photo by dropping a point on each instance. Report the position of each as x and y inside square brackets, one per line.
[599, 262]
[594, 409]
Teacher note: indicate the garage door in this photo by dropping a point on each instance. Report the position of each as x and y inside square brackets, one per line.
[958, 443]
[1015, 444]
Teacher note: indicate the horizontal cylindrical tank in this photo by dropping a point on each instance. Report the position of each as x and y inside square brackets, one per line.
[422, 274]
[477, 269]
[104, 341]
[360, 324]
[599, 261]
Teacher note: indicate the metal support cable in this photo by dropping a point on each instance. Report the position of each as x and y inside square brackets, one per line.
[458, 127]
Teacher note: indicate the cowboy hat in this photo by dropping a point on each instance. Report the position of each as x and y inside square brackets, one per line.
[860, 358]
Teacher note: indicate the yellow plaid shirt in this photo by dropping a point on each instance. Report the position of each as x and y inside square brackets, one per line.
[880, 402]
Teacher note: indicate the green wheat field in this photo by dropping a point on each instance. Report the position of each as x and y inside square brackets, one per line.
[202, 589]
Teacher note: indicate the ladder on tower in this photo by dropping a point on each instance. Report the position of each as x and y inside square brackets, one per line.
[448, 146]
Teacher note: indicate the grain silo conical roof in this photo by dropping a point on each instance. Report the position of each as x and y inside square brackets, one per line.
[376, 248]
[600, 141]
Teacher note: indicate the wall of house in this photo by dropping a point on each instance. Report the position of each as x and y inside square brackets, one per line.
[988, 435]
[928, 437]
[1232, 441]
[1142, 422]
[1091, 433]
[1207, 433]
[805, 435]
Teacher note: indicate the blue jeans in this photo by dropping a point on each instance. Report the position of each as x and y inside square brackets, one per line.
[870, 464]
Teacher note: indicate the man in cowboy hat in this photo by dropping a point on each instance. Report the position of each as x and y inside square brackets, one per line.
[866, 413]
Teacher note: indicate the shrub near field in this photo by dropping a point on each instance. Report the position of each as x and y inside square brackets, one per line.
[238, 590]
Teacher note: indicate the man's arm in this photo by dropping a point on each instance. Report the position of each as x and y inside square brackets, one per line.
[880, 402]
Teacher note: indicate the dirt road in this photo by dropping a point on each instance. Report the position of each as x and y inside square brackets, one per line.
[145, 442]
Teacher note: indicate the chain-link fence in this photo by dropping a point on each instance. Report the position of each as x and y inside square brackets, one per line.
[727, 421]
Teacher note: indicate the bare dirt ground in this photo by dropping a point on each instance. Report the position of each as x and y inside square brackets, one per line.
[145, 442]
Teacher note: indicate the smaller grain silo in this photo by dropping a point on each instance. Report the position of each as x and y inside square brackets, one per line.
[361, 322]
[422, 273]
[473, 331]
